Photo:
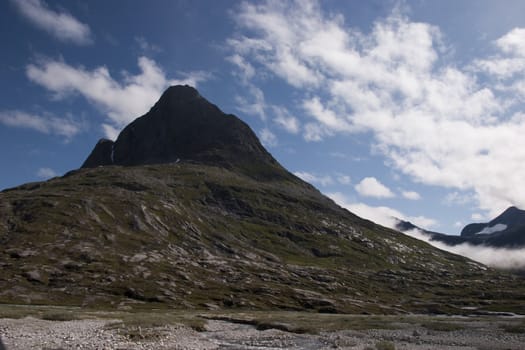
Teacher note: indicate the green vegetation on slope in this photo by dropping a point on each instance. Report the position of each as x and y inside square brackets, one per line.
[189, 235]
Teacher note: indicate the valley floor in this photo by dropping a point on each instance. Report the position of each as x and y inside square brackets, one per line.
[54, 330]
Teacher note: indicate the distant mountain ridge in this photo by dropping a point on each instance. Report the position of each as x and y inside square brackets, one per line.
[506, 231]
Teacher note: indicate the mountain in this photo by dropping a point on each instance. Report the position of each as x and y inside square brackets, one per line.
[505, 231]
[187, 210]
[184, 126]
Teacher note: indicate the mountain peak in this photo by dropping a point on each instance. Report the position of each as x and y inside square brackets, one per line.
[184, 126]
[509, 220]
[511, 216]
[511, 211]
[180, 92]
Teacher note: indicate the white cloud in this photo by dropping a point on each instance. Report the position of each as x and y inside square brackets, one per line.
[371, 187]
[45, 124]
[268, 138]
[315, 132]
[325, 116]
[513, 42]
[437, 122]
[382, 215]
[495, 257]
[501, 67]
[285, 120]
[245, 70]
[325, 180]
[456, 198]
[411, 195]
[145, 46]
[192, 78]
[121, 101]
[339, 155]
[344, 179]
[61, 25]
[46, 173]
[254, 103]
[510, 58]
[477, 217]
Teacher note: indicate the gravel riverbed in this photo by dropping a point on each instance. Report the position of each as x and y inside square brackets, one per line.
[98, 334]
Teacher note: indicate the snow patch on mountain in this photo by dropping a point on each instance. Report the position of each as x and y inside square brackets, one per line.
[492, 229]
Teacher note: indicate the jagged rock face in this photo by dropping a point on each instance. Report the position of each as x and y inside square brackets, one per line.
[184, 126]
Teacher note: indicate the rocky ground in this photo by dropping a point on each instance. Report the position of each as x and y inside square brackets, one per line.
[32, 333]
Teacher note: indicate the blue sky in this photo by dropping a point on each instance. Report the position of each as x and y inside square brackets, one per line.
[404, 108]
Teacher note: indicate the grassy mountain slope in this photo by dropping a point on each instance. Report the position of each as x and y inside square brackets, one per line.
[190, 235]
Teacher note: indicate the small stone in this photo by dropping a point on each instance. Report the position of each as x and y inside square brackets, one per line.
[35, 276]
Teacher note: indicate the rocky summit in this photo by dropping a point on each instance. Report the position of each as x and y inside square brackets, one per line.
[187, 210]
[184, 126]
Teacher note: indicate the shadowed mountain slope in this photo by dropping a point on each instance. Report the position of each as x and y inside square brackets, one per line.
[184, 126]
[206, 218]
[506, 230]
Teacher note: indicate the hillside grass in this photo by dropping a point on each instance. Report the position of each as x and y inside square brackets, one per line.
[213, 236]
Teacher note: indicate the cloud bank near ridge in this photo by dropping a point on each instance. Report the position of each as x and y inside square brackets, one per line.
[382, 215]
[502, 258]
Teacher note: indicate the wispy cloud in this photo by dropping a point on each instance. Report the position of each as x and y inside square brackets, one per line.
[253, 103]
[146, 47]
[45, 124]
[371, 187]
[268, 138]
[344, 179]
[315, 132]
[192, 78]
[477, 217]
[324, 180]
[411, 195]
[286, 120]
[510, 58]
[121, 101]
[315, 179]
[46, 173]
[457, 198]
[61, 25]
[382, 215]
[438, 122]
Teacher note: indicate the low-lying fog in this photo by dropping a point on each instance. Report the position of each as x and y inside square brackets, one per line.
[504, 258]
